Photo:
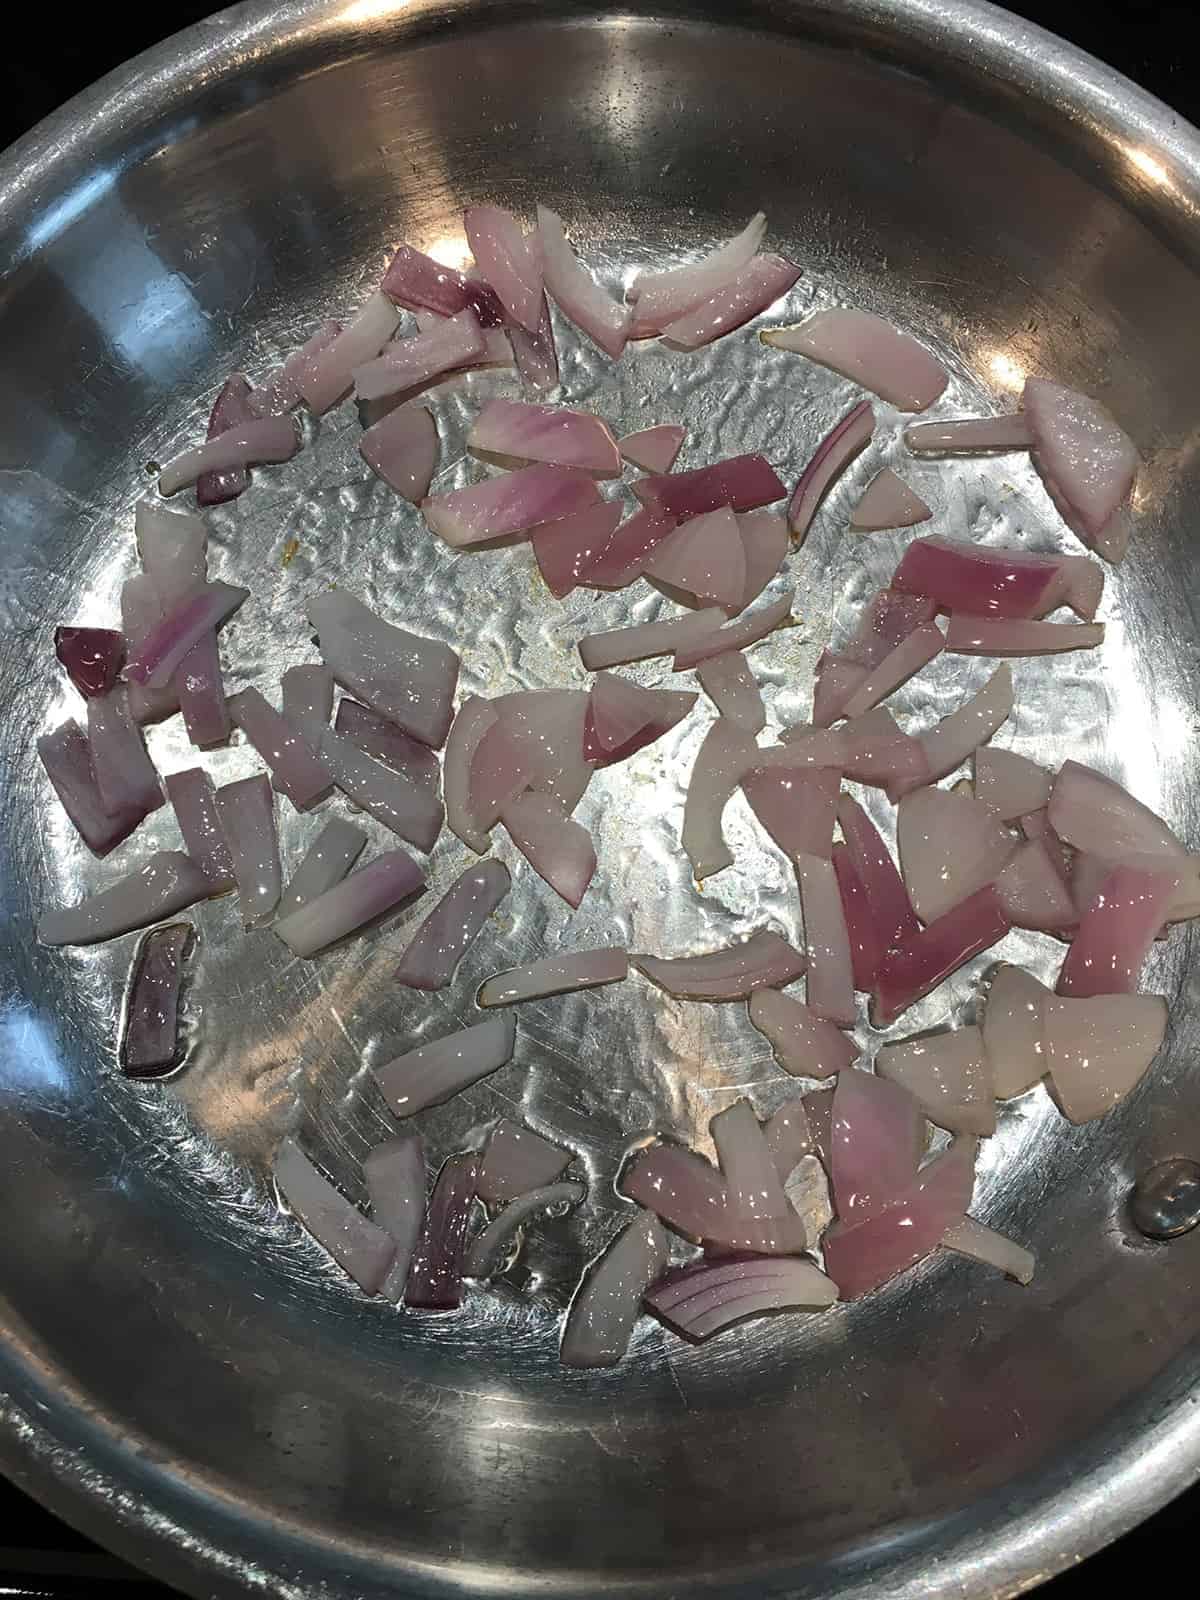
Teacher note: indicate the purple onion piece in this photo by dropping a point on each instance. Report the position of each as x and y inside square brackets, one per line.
[336, 848]
[698, 1301]
[164, 648]
[419, 283]
[246, 810]
[297, 771]
[515, 1160]
[195, 801]
[230, 409]
[449, 930]
[411, 810]
[487, 1251]
[536, 354]
[395, 1177]
[830, 459]
[360, 1248]
[307, 698]
[607, 1302]
[125, 775]
[383, 741]
[435, 1072]
[67, 758]
[407, 364]
[585, 969]
[141, 613]
[172, 546]
[150, 1034]
[326, 378]
[165, 883]
[358, 900]
[248, 443]
[92, 657]
[201, 690]
[435, 1275]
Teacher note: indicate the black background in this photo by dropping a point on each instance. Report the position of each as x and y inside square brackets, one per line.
[1146, 40]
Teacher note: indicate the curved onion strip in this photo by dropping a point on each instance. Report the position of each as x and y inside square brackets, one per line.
[804, 1043]
[435, 1072]
[1013, 1030]
[971, 435]
[163, 649]
[474, 719]
[576, 293]
[566, 550]
[862, 929]
[920, 961]
[508, 261]
[739, 635]
[757, 286]
[765, 960]
[606, 1304]
[830, 459]
[402, 449]
[231, 409]
[1010, 784]
[948, 1075]
[950, 741]
[1086, 460]
[92, 657]
[246, 810]
[950, 845]
[998, 636]
[264, 439]
[653, 449]
[1098, 1049]
[327, 376]
[619, 646]
[874, 865]
[703, 562]
[741, 482]
[1096, 815]
[982, 580]
[165, 883]
[584, 969]
[434, 1281]
[1116, 932]
[888, 502]
[406, 364]
[499, 772]
[660, 297]
[328, 860]
[868, 351]
[916, 651]
[359, 1247]
[726, 756]
[450, 929]
[520, 433]
[509, 504]
[560, 851]
[972, 1239]
[515, 1160]
[701, 1300]
[394, 1173]
[125, 776]
[487, 1250]
[363, 897]
[752, 1184]
[150, 1026]
[732, 687]
[876, 1141]
[297, 771]
[194, 798]
[830, 979]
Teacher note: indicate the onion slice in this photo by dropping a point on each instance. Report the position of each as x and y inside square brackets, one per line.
[948, 1075]
[125, 775]
[1013, 1030]
[805, 1044]
[692, 1198]
[874, 865]
[450, 929]
[888, 502]
[761, 282]
[982, 580]
[752, 1183]
[622, 559]
[950, 846]
[326, 862]
[664, 709]
[516, 433]
[566, 550]
[297, 771]
[150, 1028]
[307, 699]
[358, 900]
[703, 1299]
[510, 504]
[516, 1160]
[830, 980]
[862, 928]
[164, 648]
[620, 646]
[434, 1280]
[383, 741]
[92, 657]
[971, 435]
[475, 717]
[972, 1239]
[1116, 932]
[1086, 461]
[546, 725]
[919, 962]
[411, 810]
[661, 297]
[731, 686]
[246, 810]
[1035, 890]
[764, 549]
[394, 1173]
[166, 882]
[279, 392]
[1011, 785]
[787, 1134]
[653, 449]
[231, 409]
[201, 690]
[326, 378]
[796, 806]
[560, 851]
[1095, 814]
[727, 755]
[250, 444]
[740, 635]
[535, 354]
[576, 293]
[702, 563]
[606, 1304]
[955, 738]
[1098, 1049]
[419, 283]
[360, 1248]
[741, 482]
[402, 449]
[510, 262]
[764, 961]
[407, 364]
[832, 456]
[194, 798]
[436, 1072]
[996, 636]
[921, 647]
[559, 974]
[876, 1141]
[141, 613]
[868, 351]
[878, 754]
[487, 1251]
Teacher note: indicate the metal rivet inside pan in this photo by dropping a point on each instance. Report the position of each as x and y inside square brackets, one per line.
[1166, 1199]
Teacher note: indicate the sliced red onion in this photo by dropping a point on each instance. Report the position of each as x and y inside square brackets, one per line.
[576, 293]
[786, 1133]
[201, 690]
[653, 449]
[436, 1072]
[166, 882]
[497, 348]
[566, 550]
[446, 934]
[547, 728]
[150, 1028]
[707, 1297]
[726, 757]
[1034, 890]
[402, 449]
[510, 263]
[246, 810]
[1086, 875]
[1096, 815]
[499, 772]
[351, 904]
[126, 779]
[971, 435]
[804, 1043]
[664, 708]
[475, 717]
[434, 1280]
[92, 657]
[752, 1184]
[1079, 584]
[981, 580]
[408, 679]
[702, 562]
[141, 613]
[510, 504]
[878, 754]
[919, 962]
[888, 502]
[515, 1161]
[691, 1197]
[394, 1173]
[873, 863]
[763, 961]
[164, 648]
[171, 545]
[804, 746]
[192, 794]
[606, 1305]
[861, 1258]
[619, 646]
[921, 647]
[383, 741]
[979, 1243]
[741, 482]
[360, 1248]
[949, 1077]
[488, 1250]
[796, 806]
[560, 851]
[411, 810]
[297, 771]
[231, 409]
[662, 297]
[265, 439]
[536, 354]
[868, 351]
[620, 709]
[761, 282]
[739, 635]
[884, 625]
[1116, 932]
[419, 283]
[862, 929]
[559, 974]
[950, 846]
[326, 862]
[764, 548]
[1086, 461]
[280, 392]
[830, 979]
[994, 636]
[327, 377]
[515, 433]
[1013, 1031]
[1098, 1049]
[731, 686]
[622, 559]
[1011, 785]
[818, 1111]
[955, 738]
[406, 364]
